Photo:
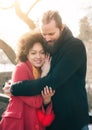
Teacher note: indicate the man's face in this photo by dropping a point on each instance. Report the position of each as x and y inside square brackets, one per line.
[50, 32]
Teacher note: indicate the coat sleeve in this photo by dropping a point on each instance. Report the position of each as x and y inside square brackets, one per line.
[63, 70]
[20, 73]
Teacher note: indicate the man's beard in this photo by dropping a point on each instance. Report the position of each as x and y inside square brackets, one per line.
[50, 47]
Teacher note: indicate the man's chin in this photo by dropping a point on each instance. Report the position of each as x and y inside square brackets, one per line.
[50, 43]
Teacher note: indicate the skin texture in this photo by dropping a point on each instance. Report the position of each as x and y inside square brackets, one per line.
[36, 55]
[51, 32]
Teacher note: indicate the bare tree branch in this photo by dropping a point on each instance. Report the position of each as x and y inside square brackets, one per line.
[36, 1]
[8, 51]
[23, 16]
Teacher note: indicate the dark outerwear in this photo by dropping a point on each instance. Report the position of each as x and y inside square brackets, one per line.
[67, 78]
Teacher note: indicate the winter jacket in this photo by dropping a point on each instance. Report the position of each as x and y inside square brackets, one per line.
[67, 77]
[23, 112]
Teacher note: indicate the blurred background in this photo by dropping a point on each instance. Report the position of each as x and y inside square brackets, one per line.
[18, 17]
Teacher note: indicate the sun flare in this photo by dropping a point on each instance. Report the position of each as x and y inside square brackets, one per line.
[6, 3]
[11, 26]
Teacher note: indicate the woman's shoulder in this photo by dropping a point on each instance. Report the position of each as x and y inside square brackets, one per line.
[25, 66]
[21, 65]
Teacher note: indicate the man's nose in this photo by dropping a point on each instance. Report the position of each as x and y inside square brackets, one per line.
[47, 38]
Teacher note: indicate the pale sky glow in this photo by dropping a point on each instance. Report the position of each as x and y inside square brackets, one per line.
[70, 10]
[11, 27]
[5, 3]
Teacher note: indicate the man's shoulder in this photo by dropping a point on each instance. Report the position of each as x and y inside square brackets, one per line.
[77, 41]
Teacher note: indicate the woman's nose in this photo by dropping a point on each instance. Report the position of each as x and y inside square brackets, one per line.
[38, 55]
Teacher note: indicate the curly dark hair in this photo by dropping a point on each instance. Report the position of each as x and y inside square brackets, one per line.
[26, 42]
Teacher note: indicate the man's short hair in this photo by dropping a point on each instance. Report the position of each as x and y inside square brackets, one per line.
[51, 15]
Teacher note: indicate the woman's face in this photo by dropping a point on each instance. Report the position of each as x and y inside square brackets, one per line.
[36, 55]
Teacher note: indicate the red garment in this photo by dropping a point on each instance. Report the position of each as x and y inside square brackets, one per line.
[46, 117]
[21, 113]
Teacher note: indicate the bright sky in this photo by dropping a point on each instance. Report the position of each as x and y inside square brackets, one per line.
[11, 27]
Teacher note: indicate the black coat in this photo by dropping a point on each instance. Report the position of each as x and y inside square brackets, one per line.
[67, 77]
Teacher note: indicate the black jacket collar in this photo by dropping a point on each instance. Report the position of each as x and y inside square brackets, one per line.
[66, 35]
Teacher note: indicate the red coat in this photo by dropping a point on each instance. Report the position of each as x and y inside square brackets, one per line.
[22, 112]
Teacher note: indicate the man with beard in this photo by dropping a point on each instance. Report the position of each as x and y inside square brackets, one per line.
[66, 76]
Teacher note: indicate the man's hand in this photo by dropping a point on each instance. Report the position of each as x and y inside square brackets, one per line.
[47, 93]
[7, 87]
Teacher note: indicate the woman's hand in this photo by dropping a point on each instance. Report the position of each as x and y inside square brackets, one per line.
[6, 88]
[47, 93]
[46, 66]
